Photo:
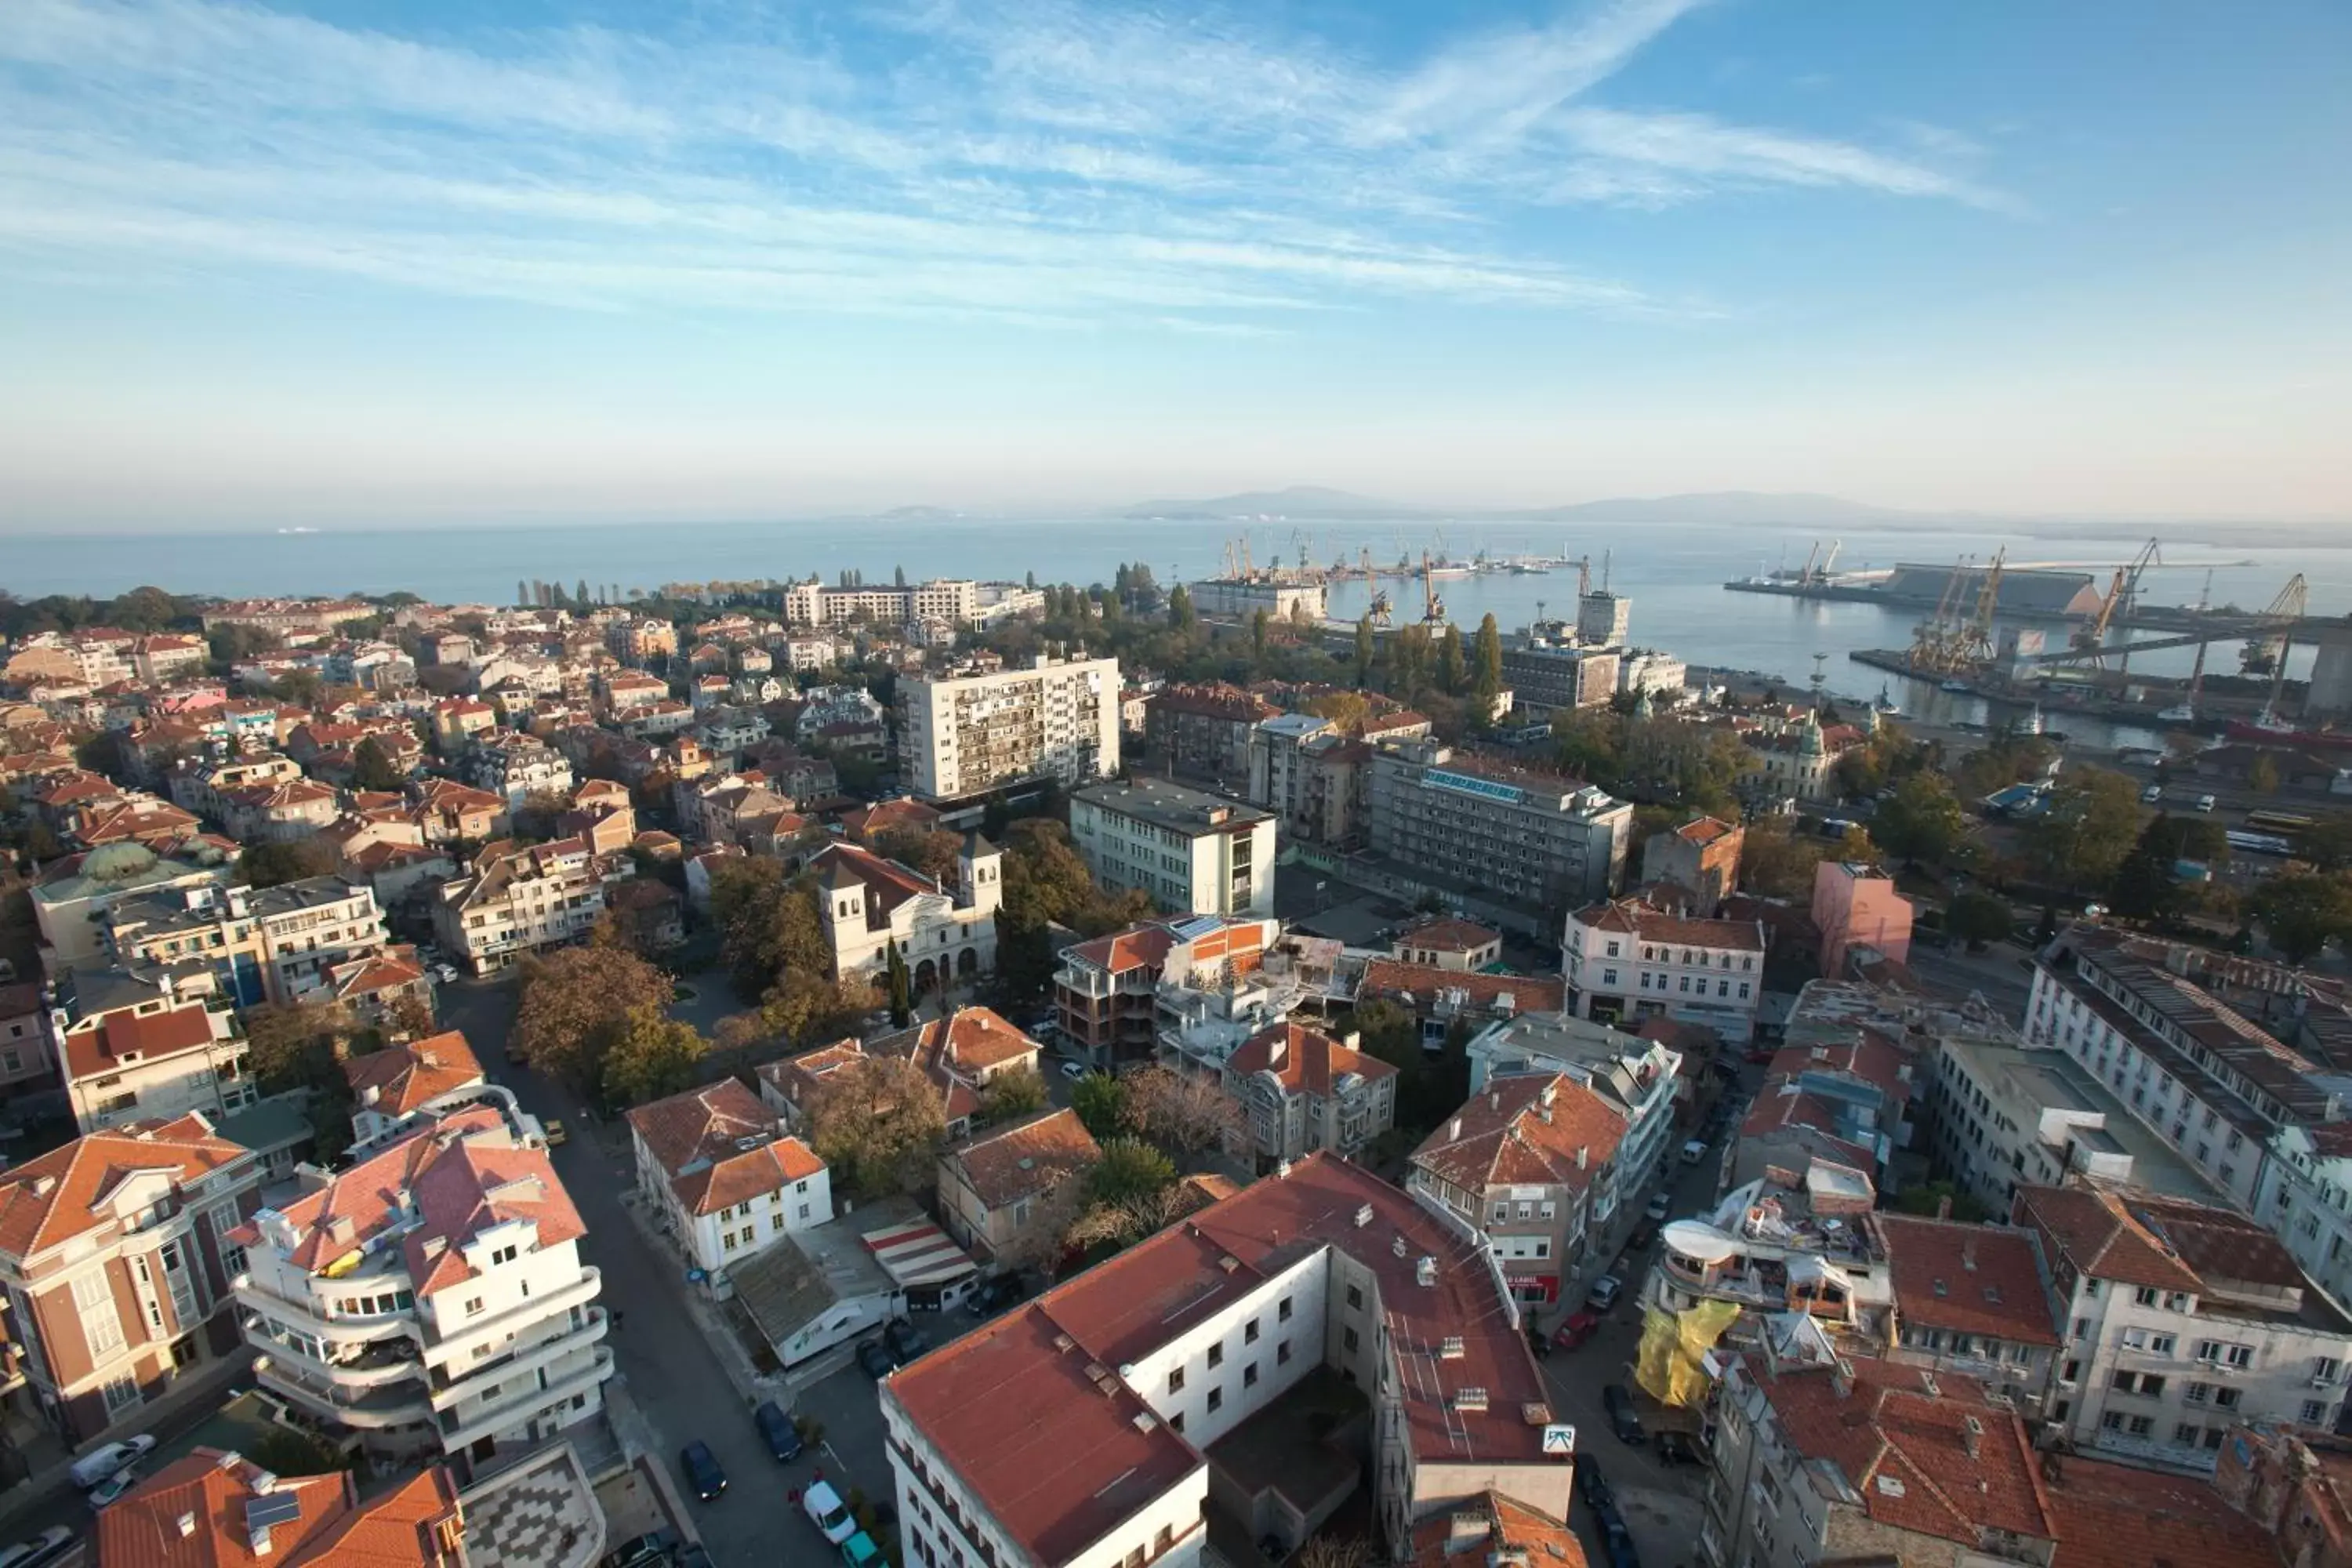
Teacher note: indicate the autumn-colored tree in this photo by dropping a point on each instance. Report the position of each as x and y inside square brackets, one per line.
[812, 1010]
[574, 1003]
[2087, 826]
[410, 1015]
[1346, 710]
[1185, 1116]
[1776, 863]
[879, 1123]
[740, 1031]
[651, 1055]
[279, 861]
[374, 766]
[934, 853]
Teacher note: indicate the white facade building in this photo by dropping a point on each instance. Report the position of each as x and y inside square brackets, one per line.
[518, 898]
[1189, 850]
[431, 1298]
[944, 598]
[1071, 1432]
[2179, 1320]
[717, 1164]
[1625, 962]
[1633, 1076]
[870, 903]
[1052, 718]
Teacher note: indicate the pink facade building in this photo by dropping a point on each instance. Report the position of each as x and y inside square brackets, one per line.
[1855, 907]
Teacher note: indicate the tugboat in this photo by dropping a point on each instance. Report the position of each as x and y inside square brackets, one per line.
[1886, 705]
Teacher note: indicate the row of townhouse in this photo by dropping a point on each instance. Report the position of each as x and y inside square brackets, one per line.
[520, 898]
[279, 944]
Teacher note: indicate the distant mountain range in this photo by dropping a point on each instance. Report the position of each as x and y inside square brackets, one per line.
[1736, 506]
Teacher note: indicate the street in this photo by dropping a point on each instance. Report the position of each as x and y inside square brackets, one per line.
[671, 1371]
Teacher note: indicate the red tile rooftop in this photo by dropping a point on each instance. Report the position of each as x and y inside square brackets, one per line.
[1058, 1459]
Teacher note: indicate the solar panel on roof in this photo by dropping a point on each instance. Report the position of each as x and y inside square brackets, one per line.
[278, 1508]
[1198, 926]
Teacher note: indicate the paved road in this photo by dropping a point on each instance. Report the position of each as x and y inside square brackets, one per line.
[675, 1378]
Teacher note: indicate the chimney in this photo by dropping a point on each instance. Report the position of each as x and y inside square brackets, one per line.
[1841, 1378]
[1465, 1530]
[1494, 1100]
[1453, 1135]
[1944, 1210]
[1969, 1254]
[1972, 1436]
[1583, 1155]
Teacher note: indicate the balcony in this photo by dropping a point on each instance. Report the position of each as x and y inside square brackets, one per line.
[308, 1316]
[372, 1410]
[527, 1398]
[375, 1365]
[457, 1346]
[449, 1389]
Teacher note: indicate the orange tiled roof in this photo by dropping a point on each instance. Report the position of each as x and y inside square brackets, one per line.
[1422, 982]
[1022, 1159]
[1970, 1278]
[1445, 1540]
[2099, 1237]
[405, 1078]
[141, 1529]
[147, 1036]
[696, 1138]
[1538, 1129]
[968, 1041]
[56, 1195]
[1448, 935]
[1302, 1058]
[2114, 1516]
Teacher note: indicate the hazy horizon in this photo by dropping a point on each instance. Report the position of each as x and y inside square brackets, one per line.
[424, 265]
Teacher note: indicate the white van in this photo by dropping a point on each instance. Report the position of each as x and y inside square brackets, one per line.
[100, 1464]
[2204, 803]
[1693, 1152]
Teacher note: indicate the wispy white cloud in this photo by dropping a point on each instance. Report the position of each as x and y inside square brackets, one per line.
[1033, 160]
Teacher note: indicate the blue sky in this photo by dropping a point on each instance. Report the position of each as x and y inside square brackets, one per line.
[491, 260]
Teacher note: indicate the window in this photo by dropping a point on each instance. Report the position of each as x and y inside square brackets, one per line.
[1356, 1295]
[2141, 1425]
[1282, 1352]
[122, 1393]
[1216, 1400]
[474, 1307]
[1282, 1310]
[1249, 1333]
[1176, 1381]
[1216, 1355]
[2186, 1433]
[2146, 1384]
[94, 1304]
[2161, 1344]
[1249, 1375]
[2197, 1393]
[2226, 1398]
[2315, 1412]
[1348, 1338]
[2145, 1296]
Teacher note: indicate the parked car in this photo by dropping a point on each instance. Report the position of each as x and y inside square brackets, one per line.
[1590, 1484]
[2151, 795]
[640, 1551]
[1658, 1205]
[1623, 1417]
[46, 1547]
[874, 1356]
[2205, 803]
[557, 1135]
[904, 1340]
[702, 1471]
[776, 1430]
[445, 973]
[1074, 1070]
[1577, 1328]
[1619, 1544]
[1694, 1150]
[100, 1463]
[1603, 1294]
[825, 1509]
[114, 1486]
[859, 1552]
[992, 1296]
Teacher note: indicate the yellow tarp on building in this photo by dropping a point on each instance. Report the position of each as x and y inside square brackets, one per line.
[1667, 1366]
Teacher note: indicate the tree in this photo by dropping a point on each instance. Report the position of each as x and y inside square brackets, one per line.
[1011, 1094]
[936, 853]
[291, 1451]
[575, 1001]
[1926, 1198]
[285, 1041]
[1487, 672]
[2088, 825]
[373, 766]
[1922, 820]
[1101, 1104]
[1452, 666]
[1348, 710]
[1977, 918]
[2302, 911]
[580, 595]
[1365, 644]
[879, 1123]
[2146, 885]
[278, 861]
[1186, 1116]
[1129, 1169]
[1179, 608]
[902, 1005]
[2263, 774]
[540, 814]
[1775, 863]
[651, 1055]
[2327, 842]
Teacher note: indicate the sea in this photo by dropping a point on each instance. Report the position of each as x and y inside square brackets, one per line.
[1673, 573]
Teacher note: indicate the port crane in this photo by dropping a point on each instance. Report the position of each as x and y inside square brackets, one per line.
[1432, 609]
[1972, 642]
[2090, 641]
[1933, 641]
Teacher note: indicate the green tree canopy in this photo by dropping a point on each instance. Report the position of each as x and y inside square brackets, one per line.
[650, 1056]
[1922, 820]
[2091, 822]
[269, 864]
[2302, 911]
[1129, 1169]
[373, 766]
[1101, 1104]
[1977, 918]
[576, 1001]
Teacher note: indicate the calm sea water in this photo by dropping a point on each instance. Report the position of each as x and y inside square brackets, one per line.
[1673, 573]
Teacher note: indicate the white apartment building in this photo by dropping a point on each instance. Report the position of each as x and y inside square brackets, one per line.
[2307, 1199]
[2009, 1115]
[2178, 1319]
[276, 945]
[1625, 962]
[970, 731]
[1635, 1077]
[1073, 1432]
[518, 898]
[155, 1056]
[518, 766]
[817, 603]
[2212, 1082]
[431, 1298]
[1192, 851]
[869, 903]
[716, 1164]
